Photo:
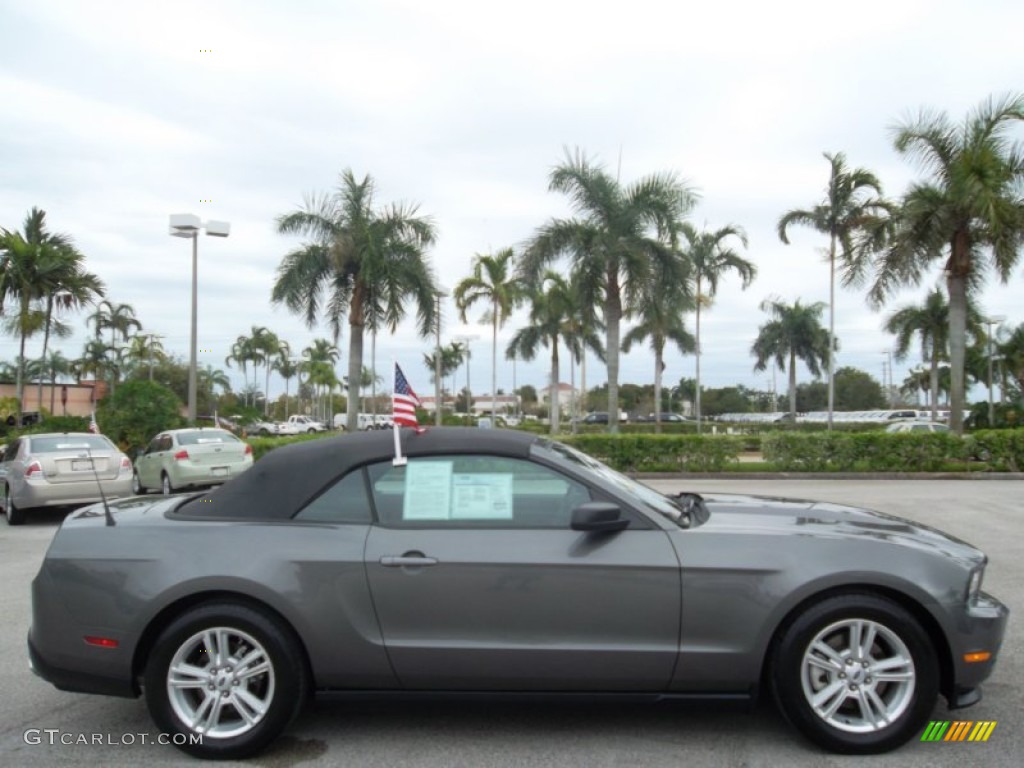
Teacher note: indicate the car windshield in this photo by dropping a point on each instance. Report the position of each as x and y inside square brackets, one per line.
[201, 437]
[69, 443]
[650, 498]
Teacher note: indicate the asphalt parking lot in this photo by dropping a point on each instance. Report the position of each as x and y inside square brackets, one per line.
[986, 513]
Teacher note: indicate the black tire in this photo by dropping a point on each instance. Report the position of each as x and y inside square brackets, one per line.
[283, 688]
[137, 487]
[165, 484]
[14, 515]
[263, 433]
[897, 636]
[310, 431]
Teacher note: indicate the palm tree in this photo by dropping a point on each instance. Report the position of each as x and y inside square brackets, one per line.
[95, 360]
[36, 264]
[550, 309]
[929, 322]
[618, 235]
[55, 365]
[1012, 350]
[145, 349]
[266, 347]
[242, 353]
[856, 219]
[794, 334]
[120, 319]
[709, 258]
[359, 258]
[492, 283]
[969, 214]
[287, 368]
[580, 333]
[661, 321]
[321, 358]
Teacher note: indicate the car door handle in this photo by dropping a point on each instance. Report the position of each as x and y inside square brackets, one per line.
[406, 561]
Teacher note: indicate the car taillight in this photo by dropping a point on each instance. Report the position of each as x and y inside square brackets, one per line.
[126, 464]
[181, 455]
[248, 450]
[32, 468]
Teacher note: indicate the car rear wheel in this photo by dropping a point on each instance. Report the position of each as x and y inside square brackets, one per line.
[855, 674]
[137, 487]
[310, 431]
[228, 673]
[264, 432]
[14, 515]
[165, 484]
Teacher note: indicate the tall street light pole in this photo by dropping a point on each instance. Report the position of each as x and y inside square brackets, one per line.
[991, 321]
[188, 225]
[439, 294]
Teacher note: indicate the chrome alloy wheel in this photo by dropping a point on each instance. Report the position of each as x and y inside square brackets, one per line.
[220, 682]
[858, 675]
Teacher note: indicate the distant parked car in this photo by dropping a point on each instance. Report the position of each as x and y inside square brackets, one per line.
[61, 469]
[261, 428]
[913, 425]
[190, 458]
[306, 424]
[597, 417]
[286, 428]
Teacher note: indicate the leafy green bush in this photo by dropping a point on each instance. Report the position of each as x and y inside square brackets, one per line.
[864, 451]
[660, 453]
[136, 411]
[1001, 449]
[261, 446]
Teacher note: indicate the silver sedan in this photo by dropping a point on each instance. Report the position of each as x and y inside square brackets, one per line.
[61, 469]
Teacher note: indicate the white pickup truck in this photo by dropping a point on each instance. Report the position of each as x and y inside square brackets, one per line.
[306, 424]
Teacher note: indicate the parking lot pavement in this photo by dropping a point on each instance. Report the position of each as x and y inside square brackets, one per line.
[423, 734]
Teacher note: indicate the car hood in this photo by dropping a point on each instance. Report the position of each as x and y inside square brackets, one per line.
[780, 516]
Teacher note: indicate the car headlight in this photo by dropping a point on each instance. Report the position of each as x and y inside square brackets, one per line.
[974, 582]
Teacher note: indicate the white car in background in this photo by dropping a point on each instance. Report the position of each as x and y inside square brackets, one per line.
[286, 428]
[915, 425]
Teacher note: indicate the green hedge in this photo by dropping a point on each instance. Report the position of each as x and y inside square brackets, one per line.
[864, 452]
[1001, 450]
[661, 453]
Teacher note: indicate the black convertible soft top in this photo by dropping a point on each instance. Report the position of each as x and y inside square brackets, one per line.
[284, 480]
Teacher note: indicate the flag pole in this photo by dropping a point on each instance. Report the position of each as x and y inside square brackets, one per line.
[399, 460]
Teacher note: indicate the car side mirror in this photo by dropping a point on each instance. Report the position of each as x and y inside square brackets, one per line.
[598, 516]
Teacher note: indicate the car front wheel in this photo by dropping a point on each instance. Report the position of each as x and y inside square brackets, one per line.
[856, 674]
[227, 677]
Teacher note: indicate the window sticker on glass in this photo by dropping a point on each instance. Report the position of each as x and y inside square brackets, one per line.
[428, 490]
[483, 496]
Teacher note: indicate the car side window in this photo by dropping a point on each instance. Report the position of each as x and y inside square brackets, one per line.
[11, 451]
[474, 492]
[344, 502]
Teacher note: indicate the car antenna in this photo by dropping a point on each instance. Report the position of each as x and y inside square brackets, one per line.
[106, 507]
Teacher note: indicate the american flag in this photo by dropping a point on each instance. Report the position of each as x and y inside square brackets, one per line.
[404, 402]
[93, 426]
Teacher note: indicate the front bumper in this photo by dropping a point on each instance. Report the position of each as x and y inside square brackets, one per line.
[979, 628]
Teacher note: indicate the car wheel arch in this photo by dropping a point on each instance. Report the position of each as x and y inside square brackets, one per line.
[928, 622]
[187, 603]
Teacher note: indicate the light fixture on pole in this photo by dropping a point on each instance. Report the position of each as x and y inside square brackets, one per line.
[991, 321]
[439, 293]
[188, 225]
[469, 393]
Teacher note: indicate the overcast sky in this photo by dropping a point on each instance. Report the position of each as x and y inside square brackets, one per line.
[117, 114]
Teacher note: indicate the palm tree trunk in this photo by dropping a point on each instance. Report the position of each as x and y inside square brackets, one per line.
[553, 400]
[696, 396]
[613, 314]
[658, 357]
[373, 374]
[355, 369]
[832, 324]
[792, 387]
[933, 384]
[19, 388]
[957, 351]
[46, 341]
[583, 377]
[266, 391]
[494, 363]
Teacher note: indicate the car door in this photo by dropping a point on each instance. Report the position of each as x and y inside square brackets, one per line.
[149, 465]
[480, 583]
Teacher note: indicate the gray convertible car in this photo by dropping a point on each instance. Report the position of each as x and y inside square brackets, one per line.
[501, 563]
